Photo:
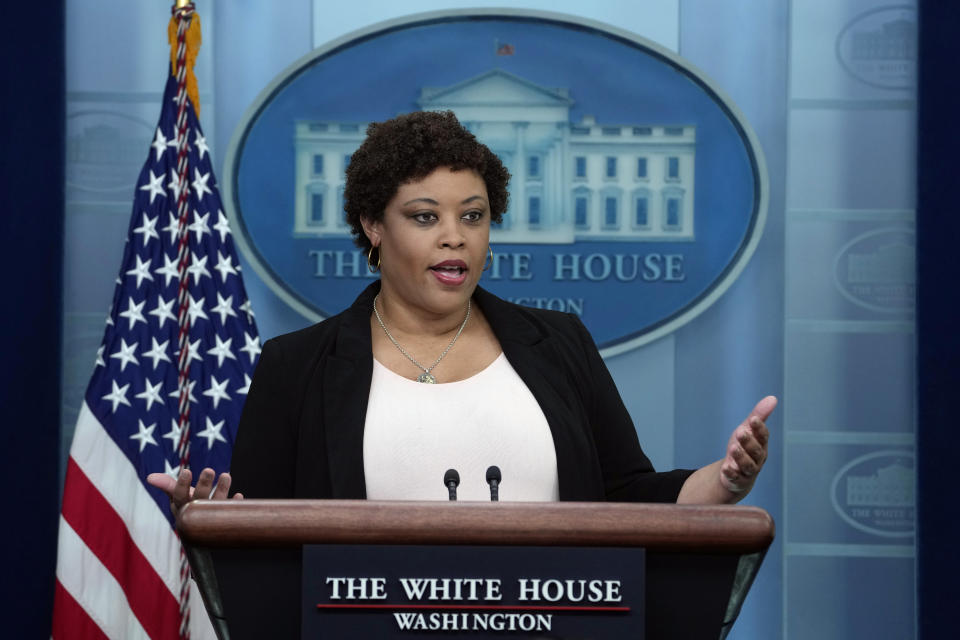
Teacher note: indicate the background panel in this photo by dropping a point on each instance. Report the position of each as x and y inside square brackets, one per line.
[850, 382]
[853, 50]
[851, 159]
[851, 495]
[844, 598]
[859, 269]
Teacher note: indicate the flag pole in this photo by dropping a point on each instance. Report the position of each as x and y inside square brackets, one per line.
[182, 24]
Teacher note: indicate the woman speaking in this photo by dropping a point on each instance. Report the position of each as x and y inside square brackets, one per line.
[427, 371]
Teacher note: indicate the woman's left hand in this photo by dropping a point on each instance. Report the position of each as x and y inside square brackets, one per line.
[747, 449]
[180, 492]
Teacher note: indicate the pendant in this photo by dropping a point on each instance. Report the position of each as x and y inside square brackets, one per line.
[426, 378]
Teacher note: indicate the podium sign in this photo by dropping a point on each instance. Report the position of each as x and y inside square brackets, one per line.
[683, 570]
[363, 591]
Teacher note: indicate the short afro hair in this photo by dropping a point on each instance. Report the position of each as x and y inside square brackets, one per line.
[409, 148]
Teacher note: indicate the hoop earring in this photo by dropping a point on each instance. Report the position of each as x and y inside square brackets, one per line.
[486, 265]
[373, 267]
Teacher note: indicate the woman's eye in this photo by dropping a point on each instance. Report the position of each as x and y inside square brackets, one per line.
[473, 216]
[424, 217]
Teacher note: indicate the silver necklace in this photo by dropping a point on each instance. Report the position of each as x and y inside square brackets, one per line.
[426, 376]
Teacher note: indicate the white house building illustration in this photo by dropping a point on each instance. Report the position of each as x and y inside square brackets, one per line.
[891, 486]
[571, 181]
[892, 40]
[888, 264]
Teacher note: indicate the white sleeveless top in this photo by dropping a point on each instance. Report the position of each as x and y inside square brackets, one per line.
[414, 432]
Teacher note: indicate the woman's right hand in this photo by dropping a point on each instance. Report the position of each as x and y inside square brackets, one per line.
[181, 492]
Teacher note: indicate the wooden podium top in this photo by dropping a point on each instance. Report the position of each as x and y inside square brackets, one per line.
[663, 527]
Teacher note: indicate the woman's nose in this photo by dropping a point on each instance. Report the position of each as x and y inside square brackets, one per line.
[451, 235]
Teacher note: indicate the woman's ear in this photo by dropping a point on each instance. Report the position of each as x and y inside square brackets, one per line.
[372, 229]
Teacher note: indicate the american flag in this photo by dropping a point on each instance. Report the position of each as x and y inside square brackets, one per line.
[118, 566]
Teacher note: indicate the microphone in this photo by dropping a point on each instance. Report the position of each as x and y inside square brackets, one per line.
[451, 479]
[493, 479]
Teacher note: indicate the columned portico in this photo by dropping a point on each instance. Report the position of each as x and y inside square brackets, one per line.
[519, 182]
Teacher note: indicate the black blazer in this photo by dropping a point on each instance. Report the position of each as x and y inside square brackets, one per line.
[301, 434]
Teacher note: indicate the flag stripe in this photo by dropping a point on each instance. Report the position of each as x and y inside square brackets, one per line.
[106, 535]
[94, 589]
[71, 621]
[110, 471]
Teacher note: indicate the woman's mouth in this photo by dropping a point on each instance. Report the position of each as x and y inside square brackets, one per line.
[450, 271]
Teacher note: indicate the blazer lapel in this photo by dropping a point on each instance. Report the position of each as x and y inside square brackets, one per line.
[346, 389]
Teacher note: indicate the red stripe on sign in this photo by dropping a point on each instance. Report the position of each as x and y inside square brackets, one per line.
[482, 607]
[106, 534]
[70, 620]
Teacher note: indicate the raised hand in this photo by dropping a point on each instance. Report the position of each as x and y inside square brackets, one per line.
[747, 449]
[181, 492]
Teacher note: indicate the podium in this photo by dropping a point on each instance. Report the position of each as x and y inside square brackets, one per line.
[246, 554]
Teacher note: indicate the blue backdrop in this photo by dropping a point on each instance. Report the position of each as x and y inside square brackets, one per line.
[774, 330]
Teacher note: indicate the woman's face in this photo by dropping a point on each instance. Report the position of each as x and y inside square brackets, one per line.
[433, 240]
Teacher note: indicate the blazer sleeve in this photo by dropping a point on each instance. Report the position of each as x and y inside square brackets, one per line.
[628, 475]
[265, 452]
